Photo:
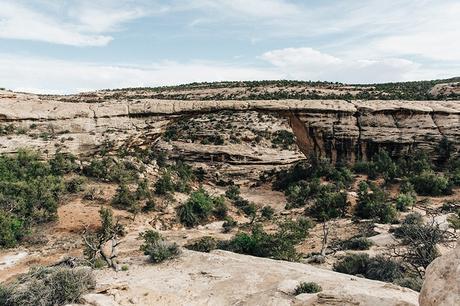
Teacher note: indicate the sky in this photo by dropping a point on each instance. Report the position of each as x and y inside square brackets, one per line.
[69, 46]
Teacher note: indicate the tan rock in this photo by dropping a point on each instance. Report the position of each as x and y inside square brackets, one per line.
[442, 281]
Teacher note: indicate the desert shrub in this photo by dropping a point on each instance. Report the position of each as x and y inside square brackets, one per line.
[185, 175]
[11, 229]
[157, 248]
[413, 219]
[283, 139]
[250, 210]
[124, 198]
[300, 171]
[414, 164]
[420, 240]
[408, 190]
[198, 208]
[205, 244]
[63, 163]
[310, 287]
[150, 205]
[354, 264]
[341, 176]
[267, 212]
[48, 286]
[377, 268]
[143, 190]
[233, 192]
[413, 282]
[220, 208]
[164, 185]
[229, 224]
[453, 220]
[278, 245]
[299, 193]
[217, 140]
[328, 205]
[357, 243]
[110, 170]
[29, 194]
[383, 269]
[431, 184]
[381, 164]
[75, 184]
[404, 201]
[373, 203]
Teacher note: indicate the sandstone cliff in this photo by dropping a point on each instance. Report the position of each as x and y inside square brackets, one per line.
[337, 129]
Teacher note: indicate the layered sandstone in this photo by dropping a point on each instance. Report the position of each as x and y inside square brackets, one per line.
[337, 129]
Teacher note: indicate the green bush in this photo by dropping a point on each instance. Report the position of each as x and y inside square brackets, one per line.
[229, 224]
[233, 193]
[11, 230]
[328, 205]
[110, 170]
[377, 268]
[305, 287]
[357, 243]
[157, 248]
[413, 282]
[164, 185]
[374, 204]
[63, 163]
[220, 208]
[267, 212]
[354, 264]
[278, 245]
[29, 194]
[430, 183]
[283, 139]
[75, 184]
[48, 286]
[124, 198]
[205, 244]
[198, 208]
[404, 201]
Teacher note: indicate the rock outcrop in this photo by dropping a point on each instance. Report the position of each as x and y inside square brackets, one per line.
[224, 278]
[337, 129]
[442, 281]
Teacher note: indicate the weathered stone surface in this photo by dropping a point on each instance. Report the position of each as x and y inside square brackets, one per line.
[225, 278]
[337, 129]
[442, 281]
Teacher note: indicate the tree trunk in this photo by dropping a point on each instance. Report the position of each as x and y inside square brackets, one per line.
[325, 238]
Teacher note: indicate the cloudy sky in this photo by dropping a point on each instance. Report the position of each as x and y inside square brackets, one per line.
[65, 46]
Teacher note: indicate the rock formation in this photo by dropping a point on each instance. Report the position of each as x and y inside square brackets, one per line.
[223, 278]
[442, 281]
[337, 129]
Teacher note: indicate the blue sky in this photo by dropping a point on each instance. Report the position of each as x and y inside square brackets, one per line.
[66, 46]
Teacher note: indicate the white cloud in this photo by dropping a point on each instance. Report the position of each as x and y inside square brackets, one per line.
[310, 64]
[250, 8]
[19, 22]
[53, 76]
[295, 58]
[83, 23]
[43, 75]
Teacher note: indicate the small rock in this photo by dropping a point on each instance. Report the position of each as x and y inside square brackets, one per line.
[99, 300]
[288, 286]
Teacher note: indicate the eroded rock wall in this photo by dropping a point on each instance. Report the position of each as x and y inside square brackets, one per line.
[337, 129]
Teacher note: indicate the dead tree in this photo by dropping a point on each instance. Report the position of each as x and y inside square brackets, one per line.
[105, 241]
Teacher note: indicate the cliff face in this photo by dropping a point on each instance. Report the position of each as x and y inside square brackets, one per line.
[338, 129]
